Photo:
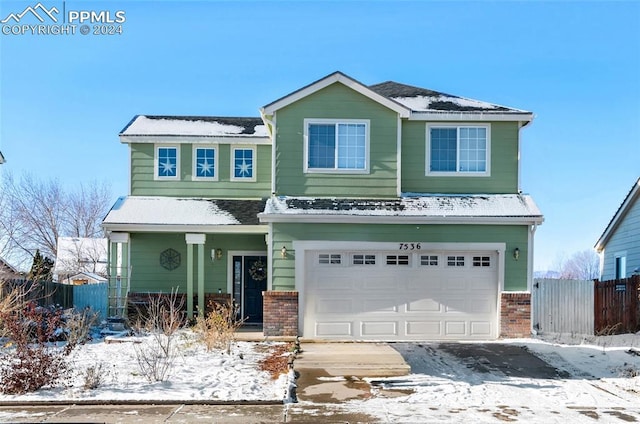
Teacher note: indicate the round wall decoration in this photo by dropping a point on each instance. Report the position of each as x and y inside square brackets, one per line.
[258, 271]
[170, 259]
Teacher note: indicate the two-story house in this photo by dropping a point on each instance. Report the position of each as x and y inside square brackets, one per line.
[346, 211]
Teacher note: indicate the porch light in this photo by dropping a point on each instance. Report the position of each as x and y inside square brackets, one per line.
[216, 254]
[283, 251]
[516, 253]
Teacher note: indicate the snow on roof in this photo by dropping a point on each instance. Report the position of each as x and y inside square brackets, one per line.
[425, 100]
[195, 126]
[75, 254]
[484, 206]
[140, 210]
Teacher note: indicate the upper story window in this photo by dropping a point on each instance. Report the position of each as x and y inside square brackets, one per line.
[336, 146]
[458, 150]
[166, 163]
[243, 164]
[204, 163]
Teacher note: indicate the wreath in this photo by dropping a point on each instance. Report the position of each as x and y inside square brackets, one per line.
[258, 271]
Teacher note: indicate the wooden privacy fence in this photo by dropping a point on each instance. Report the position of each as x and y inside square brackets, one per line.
[586, 306]
[48, 293]
[616, 306]
[562, 306]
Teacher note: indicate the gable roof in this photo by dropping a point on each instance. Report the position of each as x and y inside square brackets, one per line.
[156, 213]
[89, 275]
[2, 160]
[431, 209]
[75, 254]
[625, 207]
[411, 102]
[336, 77]
[194, 126]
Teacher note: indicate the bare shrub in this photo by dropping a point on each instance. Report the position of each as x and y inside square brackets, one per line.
[78, 326]
[162, 319]
[12, 300]
[31, 360]
[94, 376]
[218, 328]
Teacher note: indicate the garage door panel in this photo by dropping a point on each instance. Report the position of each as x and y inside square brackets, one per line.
[423, 329]
[379, 329]
[334, 306]
[392, 301]
[379, 305]
[455, 328]
[424, 305]
[480, 328]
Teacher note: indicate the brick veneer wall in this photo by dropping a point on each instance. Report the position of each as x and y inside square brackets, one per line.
[280, 313]
[515, 315]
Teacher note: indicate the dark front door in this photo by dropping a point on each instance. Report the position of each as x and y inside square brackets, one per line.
[255, 282]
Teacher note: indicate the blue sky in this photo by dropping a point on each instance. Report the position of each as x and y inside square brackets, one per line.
[576, 65]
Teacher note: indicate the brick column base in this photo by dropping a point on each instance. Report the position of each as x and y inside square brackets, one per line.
[515, 315]
[280, 313]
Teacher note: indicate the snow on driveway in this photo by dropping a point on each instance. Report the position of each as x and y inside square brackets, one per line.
[592, 381]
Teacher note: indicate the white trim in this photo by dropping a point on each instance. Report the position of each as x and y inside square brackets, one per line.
[470, 116]
[194, 157]
[617, 218]
[254, 166]
[190, 139]
[179, 228]
[399, 158]
[156, 175]
[117, 237]
[343, 79]
[623, 263]
[457, 173]
[192, 238]
[385, 219]
[336, 170]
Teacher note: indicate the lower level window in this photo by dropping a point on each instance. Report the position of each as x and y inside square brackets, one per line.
[397, 259]
[455, 260]
[330, 259]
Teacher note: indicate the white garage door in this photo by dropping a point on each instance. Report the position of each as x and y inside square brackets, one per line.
[377, 295]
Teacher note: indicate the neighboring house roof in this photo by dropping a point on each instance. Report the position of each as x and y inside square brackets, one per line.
[626, 205]
[81, 254]
[2, 159]
[88, 275]
[195, 126]
[149, 213]
[7, 271]
[411, 102]
[491, 208]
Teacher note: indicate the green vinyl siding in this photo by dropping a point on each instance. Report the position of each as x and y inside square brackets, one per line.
[336, 102]
[144, 184]
[513, 235]
[503, 168]
[147, 275]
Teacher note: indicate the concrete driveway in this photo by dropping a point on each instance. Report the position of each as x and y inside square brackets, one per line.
[334, 372]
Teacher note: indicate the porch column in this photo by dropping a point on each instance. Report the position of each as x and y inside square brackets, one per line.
[118, 273]
[192, 239]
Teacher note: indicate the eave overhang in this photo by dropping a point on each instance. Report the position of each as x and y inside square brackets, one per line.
[629, 200]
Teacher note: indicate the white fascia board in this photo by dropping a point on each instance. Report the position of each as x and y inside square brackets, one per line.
[620, 213]
[191, 139]
[471, 116]
[368, 219]
[160, 228]
[402, 110]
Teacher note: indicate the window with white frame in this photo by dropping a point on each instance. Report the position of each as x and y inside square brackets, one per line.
[243, 164]
[336, 146]
[204, 163]
[458, 150]
[167, 162]
[330, 259]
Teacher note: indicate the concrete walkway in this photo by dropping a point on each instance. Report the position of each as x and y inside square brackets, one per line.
[334, 372]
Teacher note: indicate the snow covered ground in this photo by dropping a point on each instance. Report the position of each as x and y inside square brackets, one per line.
[196, 374]
[603, 386]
